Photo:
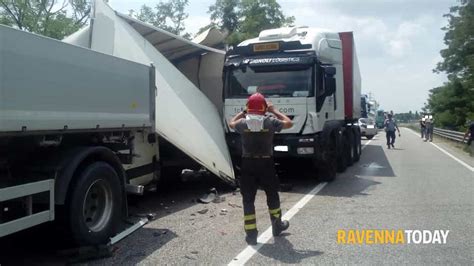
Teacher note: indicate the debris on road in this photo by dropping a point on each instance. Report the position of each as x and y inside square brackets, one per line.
[237, 190]
[203, 211]
[233, 205]
[219, 199]
[208, 197]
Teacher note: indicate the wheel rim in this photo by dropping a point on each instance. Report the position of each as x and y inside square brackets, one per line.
[97, 206]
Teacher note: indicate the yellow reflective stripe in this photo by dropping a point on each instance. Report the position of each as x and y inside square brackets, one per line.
[276, 215]
[249, 217]
[275, 211]
[250, 226]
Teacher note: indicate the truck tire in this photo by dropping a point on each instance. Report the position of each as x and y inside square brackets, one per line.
[94, 204]
[341, 154]
[369, 137]
[350, 147]
[327, 168]
[357, 144]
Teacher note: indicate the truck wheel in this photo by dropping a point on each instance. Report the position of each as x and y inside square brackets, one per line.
[369, 136]
[341, 154]
[95, 202]
[350, 147]
[327, 167]
[357, 145]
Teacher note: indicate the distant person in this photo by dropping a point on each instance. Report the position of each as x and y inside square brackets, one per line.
[429, 128]
[422, 127]
[390, 127]
[470, 133]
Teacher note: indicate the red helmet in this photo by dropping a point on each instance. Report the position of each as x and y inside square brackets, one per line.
[256, 104]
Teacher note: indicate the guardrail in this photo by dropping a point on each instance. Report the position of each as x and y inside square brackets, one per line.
[449, 134]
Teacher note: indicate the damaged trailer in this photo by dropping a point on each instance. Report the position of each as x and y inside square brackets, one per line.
[82, 126]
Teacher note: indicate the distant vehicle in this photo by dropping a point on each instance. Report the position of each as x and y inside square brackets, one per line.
[367, 127]
[380, 118]
[364, 106]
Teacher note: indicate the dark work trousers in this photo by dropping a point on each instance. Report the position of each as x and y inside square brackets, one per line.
[390, 137]
[255, 173]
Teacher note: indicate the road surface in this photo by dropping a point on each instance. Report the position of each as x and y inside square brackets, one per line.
[416, 186]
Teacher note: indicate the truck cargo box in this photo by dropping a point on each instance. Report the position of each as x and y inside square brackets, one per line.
[48, 85]
[185, 116]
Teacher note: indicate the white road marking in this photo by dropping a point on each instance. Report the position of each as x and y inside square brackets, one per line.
[447, 153]
[249, 251]
[367, 143]
[454, 158]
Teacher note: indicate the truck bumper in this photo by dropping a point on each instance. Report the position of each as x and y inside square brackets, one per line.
[285, 146]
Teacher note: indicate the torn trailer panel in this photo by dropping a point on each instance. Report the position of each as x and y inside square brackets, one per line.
[185, 116]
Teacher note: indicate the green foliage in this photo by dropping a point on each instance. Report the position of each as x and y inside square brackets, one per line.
[45, 17]
[225, 14]
[168, 16]
[453, 103]
[407, 117]
[244, 19]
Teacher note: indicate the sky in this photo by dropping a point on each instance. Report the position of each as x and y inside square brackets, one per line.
[397, 41]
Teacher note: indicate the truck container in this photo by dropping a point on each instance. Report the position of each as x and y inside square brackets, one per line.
[87, 120]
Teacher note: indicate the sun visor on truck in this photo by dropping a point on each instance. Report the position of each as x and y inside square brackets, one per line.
[184, 115]
[269, 61]
[268, 47]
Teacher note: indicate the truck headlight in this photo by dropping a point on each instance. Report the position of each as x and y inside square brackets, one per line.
[281, 148]
[305, 150]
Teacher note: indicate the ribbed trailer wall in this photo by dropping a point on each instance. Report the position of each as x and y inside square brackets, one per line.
[48, 85]
[351, 77]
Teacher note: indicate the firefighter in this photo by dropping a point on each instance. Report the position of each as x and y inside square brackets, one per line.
[258, 168]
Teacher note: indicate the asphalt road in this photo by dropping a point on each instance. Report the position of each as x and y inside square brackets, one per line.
[413, 187]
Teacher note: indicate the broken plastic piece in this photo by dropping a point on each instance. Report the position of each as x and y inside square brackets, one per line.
[208, 197]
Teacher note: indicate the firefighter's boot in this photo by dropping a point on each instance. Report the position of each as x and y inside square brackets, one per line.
[250, 226]
[278, 225]
[251, 237]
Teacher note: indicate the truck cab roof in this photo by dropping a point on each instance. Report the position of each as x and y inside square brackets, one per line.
[322, 41]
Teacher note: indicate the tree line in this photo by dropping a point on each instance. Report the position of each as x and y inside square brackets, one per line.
[407, 117]
[52, 18]
[238, 19]
[453, 103]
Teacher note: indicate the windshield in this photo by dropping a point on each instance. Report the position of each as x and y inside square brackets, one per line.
[271, 82]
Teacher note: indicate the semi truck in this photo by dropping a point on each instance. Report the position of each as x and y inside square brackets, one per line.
[380, 118]
[312, 76]
[87, 120]
[367, 119]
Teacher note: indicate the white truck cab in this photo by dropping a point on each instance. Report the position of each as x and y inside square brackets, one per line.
[309, 74]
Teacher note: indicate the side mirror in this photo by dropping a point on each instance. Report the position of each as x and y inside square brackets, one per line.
[329, 80]
[329, 70]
